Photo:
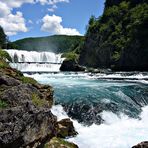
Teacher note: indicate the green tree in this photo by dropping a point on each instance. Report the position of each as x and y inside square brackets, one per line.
[3, 38]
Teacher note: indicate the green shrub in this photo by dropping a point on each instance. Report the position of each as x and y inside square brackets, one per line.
[70, 56]
[3, 104]
[4, 55]
[3, 64]
[37, 101]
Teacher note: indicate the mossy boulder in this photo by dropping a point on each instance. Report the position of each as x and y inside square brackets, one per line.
[60, 143]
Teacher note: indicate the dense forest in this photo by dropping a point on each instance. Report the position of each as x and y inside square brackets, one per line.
[4, 41]
[119, 38]
[56, 43]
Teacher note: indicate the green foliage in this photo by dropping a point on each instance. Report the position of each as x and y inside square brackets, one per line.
[3, 38]
[56, 43]
[28, 80]
[37, 101]
[59, 143]
[4, 55]
[116, 56]
[3, 104]
[70, 56]
[122, 29]
[3, 64]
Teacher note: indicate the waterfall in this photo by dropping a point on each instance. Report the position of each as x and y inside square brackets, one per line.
[33, 61]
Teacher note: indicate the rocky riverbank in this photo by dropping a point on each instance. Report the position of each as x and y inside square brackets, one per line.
[25, 116]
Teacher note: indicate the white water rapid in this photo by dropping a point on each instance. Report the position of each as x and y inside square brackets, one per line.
[32, 61]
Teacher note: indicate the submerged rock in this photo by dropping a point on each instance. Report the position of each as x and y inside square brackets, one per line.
[141, 145]
[71, 65]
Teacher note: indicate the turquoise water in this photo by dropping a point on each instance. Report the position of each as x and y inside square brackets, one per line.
[84, 97]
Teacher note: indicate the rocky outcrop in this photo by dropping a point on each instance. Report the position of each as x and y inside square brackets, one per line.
[25, 116]
[71, 65]
[141, 145]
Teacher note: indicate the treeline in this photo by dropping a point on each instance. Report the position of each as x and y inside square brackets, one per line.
[56, 43]
[119, 38]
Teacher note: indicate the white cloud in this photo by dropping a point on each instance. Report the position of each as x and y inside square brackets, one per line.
[16, 3]
[4, 9]
[51, 2]
[52, 9]
[53, 25]
[13, 24]
[30, 21]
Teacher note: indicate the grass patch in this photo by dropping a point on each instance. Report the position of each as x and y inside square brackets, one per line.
[37, 101]
[58, 142]
[28, 80]
[3, 64]
[3, 104]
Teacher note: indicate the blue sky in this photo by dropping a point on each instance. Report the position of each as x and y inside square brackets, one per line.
[34, 18]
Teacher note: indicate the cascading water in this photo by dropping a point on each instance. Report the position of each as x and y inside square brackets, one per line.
[32, 61]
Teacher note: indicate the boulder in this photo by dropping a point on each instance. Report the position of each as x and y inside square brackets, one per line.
[71, 65]
[65, 128]
[141, 145]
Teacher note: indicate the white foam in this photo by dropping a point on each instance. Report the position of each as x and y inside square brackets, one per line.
[34, 56]
[116, 132]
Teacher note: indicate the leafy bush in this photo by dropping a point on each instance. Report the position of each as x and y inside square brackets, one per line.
[71, 56]
[4, 55]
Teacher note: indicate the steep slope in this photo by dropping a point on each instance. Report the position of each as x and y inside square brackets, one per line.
[56, 43]
[119, 38]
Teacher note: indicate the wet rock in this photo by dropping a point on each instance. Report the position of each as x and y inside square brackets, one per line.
[88, 113]
[66, 129]
[141, 145]
[70, 65]
[60, 143]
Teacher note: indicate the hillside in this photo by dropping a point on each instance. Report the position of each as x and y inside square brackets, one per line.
[119, 38]
[56, 43]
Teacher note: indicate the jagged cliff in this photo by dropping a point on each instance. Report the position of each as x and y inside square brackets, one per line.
[119, 38]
